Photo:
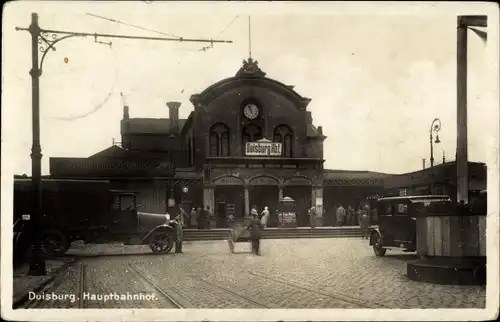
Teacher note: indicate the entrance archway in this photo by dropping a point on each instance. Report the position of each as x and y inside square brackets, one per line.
[229, 198]
[300, 190]
[264, 191]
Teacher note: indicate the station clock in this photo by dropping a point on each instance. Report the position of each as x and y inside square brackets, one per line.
[251, 111]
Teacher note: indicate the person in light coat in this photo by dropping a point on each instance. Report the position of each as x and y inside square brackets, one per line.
[312, 217]
[264, 217]
[340, 214]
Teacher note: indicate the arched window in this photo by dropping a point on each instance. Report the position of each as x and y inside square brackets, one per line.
[250, 133]
[284, 134]
[219, 140]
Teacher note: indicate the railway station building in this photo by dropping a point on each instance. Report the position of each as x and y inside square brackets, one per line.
[250, 140]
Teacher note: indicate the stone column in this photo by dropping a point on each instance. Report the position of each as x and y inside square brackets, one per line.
[317, 194]
[280, 192]
[247, 201]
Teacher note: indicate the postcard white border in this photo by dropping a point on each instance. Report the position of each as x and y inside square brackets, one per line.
[337, 8]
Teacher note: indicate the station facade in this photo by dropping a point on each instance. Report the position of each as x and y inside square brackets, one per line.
[250, 141]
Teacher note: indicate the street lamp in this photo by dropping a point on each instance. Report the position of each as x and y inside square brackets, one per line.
[435, 127]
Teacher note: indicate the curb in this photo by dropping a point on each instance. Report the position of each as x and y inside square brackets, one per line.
[23, 299]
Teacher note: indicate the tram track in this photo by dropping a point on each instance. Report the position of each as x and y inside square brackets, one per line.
[82, 287]
[338, 297]
[232, 293]
[158, 290]
[56, 283]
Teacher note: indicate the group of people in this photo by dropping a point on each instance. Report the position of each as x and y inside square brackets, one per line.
[350, 217]
[197, 217]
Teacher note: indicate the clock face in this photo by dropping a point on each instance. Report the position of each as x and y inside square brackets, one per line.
[251, 111]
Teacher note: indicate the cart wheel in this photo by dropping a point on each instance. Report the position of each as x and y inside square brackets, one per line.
[377, 247]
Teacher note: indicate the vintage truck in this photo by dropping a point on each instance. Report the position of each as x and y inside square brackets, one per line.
[87, 210]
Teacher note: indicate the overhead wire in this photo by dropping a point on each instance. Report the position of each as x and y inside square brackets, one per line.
[134, 26]
[220, 34]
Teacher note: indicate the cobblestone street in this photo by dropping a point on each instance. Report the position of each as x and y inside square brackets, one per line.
[300, 273]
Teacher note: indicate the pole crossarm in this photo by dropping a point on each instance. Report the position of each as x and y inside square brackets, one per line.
[86, 34]
[472, 21]
[51, 37]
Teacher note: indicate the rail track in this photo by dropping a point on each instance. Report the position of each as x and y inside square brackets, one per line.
[175, 304]
[55, 284]
[82, 287]
[343, 298]
[232, 293]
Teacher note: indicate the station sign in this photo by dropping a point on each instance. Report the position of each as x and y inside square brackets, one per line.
[263, 149]
[109, 167]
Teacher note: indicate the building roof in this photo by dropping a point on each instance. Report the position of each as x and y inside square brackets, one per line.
[116, 151]
[439, 173]
[149, 126]
[330, 174]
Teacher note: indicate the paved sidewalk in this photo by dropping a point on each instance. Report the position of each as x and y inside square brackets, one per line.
[23, 283]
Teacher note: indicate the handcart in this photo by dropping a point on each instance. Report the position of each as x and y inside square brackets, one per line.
[238, 233]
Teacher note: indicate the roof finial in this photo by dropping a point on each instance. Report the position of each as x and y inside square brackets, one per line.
[249, 39]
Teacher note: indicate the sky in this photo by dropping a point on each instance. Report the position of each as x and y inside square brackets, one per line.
[376, 78]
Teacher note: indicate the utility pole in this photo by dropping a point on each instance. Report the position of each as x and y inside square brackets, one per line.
[44, 40]
[463, 24]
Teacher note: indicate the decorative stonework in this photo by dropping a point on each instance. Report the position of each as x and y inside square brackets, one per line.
[250, 68]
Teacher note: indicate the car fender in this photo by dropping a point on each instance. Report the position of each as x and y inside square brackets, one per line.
[160, 228]
[374, 234]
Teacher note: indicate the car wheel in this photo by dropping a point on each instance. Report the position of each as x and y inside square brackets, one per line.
[377, 246]
[55, 243]
[162, 243]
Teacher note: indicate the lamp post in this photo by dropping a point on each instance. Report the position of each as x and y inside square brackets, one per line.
[43, 40]
[435, 127]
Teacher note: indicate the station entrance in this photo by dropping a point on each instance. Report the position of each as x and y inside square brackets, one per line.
[229, 201]
[264, 192]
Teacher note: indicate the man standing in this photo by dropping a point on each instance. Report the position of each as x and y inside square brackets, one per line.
[264, 217]
[179, 232]
[254, 211]
[255, 232]
[208, 217]
[199, 217]
[365, 223]
[340, 215]
[312, 217]
[192, 218]
[349, 216]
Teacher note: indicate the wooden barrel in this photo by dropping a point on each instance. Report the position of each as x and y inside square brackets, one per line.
[451, 235]
[451, 249]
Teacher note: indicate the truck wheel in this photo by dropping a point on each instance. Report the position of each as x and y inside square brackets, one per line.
[55, 242]
[377, 246]
[162, 243]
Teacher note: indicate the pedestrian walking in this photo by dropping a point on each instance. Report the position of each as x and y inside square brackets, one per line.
[264, 217]
[349, 216]
[255, 233]
[340, 214]
[312, 217]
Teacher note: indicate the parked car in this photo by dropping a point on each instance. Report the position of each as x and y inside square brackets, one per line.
[397, 221]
